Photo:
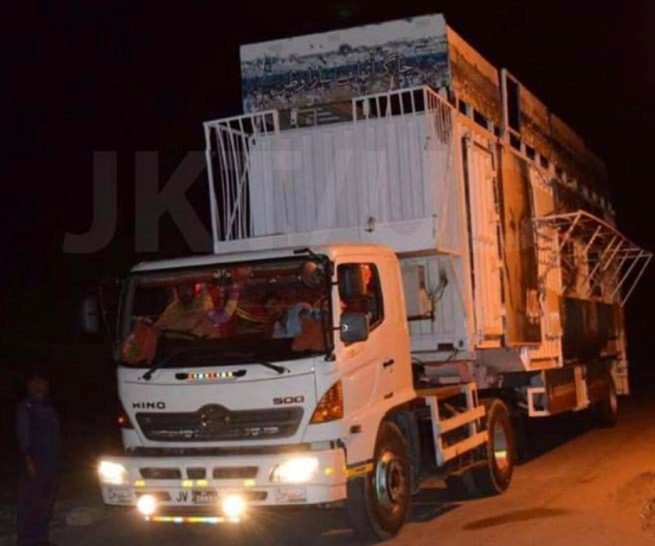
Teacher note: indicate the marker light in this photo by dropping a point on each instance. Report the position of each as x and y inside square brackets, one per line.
[234, 506]
[123, 419]
[297, 470]
[112, 473]
[147, 504]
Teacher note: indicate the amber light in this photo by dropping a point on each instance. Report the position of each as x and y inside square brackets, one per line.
[330, 407]
[123, 419]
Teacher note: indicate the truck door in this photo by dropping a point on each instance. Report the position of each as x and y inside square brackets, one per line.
[378, 366]
[483, 223]
[523, 313]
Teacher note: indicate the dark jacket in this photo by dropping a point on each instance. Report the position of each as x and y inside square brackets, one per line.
[37, 427]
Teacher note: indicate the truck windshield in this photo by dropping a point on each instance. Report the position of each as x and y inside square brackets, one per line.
[229, 313]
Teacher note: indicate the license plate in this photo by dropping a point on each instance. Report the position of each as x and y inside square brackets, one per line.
[119, 495]
[204, 497]
[291, 494]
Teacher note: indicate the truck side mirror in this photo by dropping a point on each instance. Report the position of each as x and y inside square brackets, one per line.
[353, 327]
[90, 315]
[107, 301]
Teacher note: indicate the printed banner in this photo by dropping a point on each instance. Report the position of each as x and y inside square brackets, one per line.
[335, 66]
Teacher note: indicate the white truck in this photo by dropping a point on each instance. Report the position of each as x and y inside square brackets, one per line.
[411, 253]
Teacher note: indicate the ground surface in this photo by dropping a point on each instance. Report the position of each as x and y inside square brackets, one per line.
[580, 486]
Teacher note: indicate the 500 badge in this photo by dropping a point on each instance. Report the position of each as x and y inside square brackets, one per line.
[282, 400]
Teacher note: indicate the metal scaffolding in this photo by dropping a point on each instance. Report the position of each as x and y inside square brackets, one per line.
[611, 263]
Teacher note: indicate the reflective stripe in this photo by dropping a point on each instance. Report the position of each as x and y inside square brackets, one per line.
[213, 520]
[359, 470]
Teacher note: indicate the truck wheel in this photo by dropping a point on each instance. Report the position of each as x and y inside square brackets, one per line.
[606, 412]
[378, 503]
[495, 475]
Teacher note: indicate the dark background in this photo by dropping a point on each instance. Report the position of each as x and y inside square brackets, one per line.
[86, 76]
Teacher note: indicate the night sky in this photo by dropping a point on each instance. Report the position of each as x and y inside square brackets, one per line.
[85, 76]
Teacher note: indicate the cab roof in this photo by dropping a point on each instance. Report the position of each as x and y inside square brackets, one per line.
[333, 251]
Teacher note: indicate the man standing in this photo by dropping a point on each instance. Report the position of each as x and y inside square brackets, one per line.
[37, 427]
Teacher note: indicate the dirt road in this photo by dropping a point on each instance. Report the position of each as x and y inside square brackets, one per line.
[583, 486]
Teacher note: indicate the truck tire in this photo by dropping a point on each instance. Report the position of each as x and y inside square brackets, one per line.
[494, 477]
[606, 411]
[378, 503]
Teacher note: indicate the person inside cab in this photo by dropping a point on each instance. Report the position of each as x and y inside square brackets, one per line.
[188, 312]
[299, 321]
[366, 302]
[193, 313]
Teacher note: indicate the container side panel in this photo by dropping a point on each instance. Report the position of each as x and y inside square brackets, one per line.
[592, 329]
[308, 173]
[474, 79]
[393, 172]
[299, 189]
[520, 257]
[548, 354]
[370, 177]
[415, 167]
[257, 182]
[351, 193]
[483, 221]
[448, 325]
[442, 199]
[327, 197]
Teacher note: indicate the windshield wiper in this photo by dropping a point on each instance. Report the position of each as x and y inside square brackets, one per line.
[269, 365]
[278, 369]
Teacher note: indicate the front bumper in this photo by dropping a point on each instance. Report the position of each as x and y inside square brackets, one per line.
[197, 484]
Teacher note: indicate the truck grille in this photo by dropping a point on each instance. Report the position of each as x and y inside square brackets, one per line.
[214, 423]
[234, 472]
[157, 473]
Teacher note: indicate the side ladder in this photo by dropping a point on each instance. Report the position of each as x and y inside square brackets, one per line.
[468, 419]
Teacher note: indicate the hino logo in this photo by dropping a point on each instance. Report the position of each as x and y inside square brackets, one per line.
[148, 405]
[214, 417]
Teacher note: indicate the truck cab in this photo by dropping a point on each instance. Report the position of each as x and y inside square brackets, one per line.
[270, 384]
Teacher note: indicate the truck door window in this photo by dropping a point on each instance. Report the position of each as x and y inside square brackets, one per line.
[366, 298]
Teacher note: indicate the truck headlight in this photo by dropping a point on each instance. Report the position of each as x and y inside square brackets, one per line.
[296, 470]
[112, 473]
[233, 506]
[147, 505]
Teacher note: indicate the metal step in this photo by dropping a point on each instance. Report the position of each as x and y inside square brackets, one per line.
[471, 418]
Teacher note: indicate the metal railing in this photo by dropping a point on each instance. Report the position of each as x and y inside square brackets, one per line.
[249, 164]
[401, 102]
[440, 118]
[228, 144]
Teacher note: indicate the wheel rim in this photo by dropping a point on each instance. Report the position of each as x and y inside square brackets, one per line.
[390, 481]
[500, 448]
